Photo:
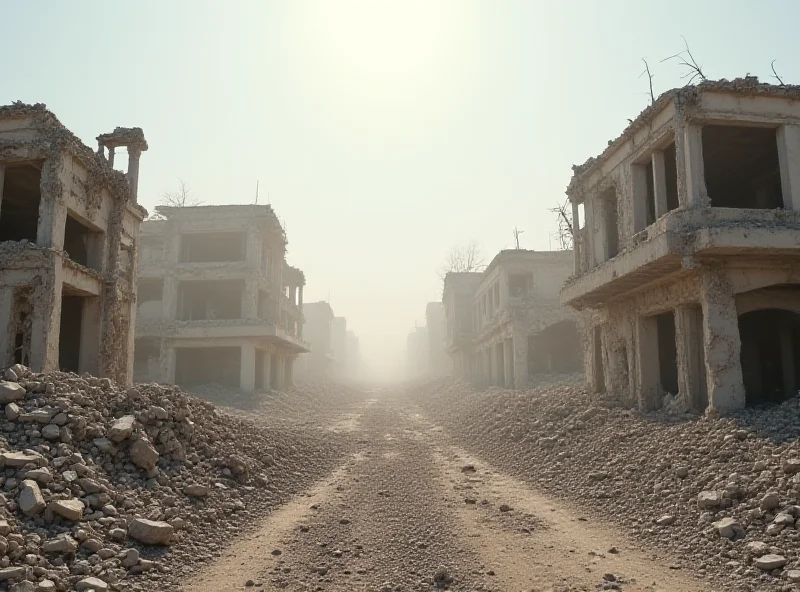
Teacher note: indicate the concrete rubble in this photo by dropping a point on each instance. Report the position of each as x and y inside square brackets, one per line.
[721, 495]
[133, 469]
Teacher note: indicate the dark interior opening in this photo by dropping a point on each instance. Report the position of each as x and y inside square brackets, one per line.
[555, 349]
[21, 328]
[210, 300]
[76, 241]
[667, 352]
[207, 365]
[770, 353]
[651, 193]
[19, 211]
[146, 355]
[599, 375]
[69, 337]
[150, 290]
[217, 247]
[741, 167]
[671, 175]
[519, 284]
[608, 202]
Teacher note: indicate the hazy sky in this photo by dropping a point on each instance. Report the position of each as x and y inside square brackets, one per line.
[382, 132]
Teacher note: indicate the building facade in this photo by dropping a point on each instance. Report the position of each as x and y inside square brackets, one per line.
[317, 331]
[439, 363]
[217, 301]
[686, 262]
[69, 224]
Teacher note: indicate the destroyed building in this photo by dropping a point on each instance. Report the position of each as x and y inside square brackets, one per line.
[69, 224]
[339, 346]
[439, 363]
[417, 353]
[318, 320]
[507, 323]
[686, 263]
[217, 302]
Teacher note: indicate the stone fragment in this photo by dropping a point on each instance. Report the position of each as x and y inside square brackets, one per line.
[150, 532]
[708, 499]
[729, 528]
[42, 475]
[31, 501]
[770, 501]
[143, 454]
[770, 562]
[666, 520]
[105, 445]
[20, 459]
[11, 391]
[65, 544]
[12, 411]
[94, 584]
[12, 573]
[51, 432]
[71, 509]
[121, 429]
[196, 490]
[791, 465]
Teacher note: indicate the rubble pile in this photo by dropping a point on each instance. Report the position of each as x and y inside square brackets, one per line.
[723, 495]
[128, 488]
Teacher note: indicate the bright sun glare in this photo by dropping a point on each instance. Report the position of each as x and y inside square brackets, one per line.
[385, 39]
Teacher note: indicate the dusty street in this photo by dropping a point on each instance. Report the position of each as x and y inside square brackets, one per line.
[408, 503]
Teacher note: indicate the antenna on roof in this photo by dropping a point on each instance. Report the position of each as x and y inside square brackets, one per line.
[256, 192]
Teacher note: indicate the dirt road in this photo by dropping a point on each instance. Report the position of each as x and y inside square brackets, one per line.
[407, 504]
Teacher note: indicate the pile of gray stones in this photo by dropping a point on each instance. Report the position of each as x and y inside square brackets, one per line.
[721, 494]
[110, 488]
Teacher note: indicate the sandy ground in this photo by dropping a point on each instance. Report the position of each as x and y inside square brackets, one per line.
[407, 504]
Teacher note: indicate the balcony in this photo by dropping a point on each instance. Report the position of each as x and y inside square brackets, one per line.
[670, 247]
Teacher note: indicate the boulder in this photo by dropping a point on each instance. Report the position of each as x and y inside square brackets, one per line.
[12, 573]
[143, 454]
[770, 562]
[71, 509]
[17, 460]
[31, 501]
[770, 501]
[150, 532]
[11, 391]
[121, 429]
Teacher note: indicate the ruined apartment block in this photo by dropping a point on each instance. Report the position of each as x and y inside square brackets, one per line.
[507, 323]
[686, 267]
[69, 225]
[217, 302]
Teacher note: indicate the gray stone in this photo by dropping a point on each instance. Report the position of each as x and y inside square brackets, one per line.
[666, 520]
[12, 411]
[121, 429]
[791, 465]
[12, 573]
[11, 391]
[143, 454]
[71, 509]
[105, 445]
[770, 562]
[20, 459]
[31, 501]
[196, 490]
[770, 501]
[65, 544]
[729, 528]
[41, 475]
[51, 432]
[708, 499]
[95, 584]
[150, 532]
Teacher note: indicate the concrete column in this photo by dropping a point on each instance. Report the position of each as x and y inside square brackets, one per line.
[508, 359]
[520, 346]
[110, 156]
[169, 355]
[576, 236]
[277, 370]
[493, 365]
[789, 158]
[6, 335]
[46, 321]
[638, 190]
[293, 295]
[247, 368]
[133, 171]
[659, 183]
[647, 367]
[89, 354]
[692, 190]
[169, 298]
[787, 360]
[250, 298]
[721, 342]
[2, 183]
[52, 208]
[267, 369]
[288, 378]
[691, 366]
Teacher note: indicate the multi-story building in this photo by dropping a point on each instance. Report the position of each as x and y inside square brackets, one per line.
[339, 346]
[317, 331]
[686, 261]
[217, 302]
[353, 355]
[506, 322]
[69, 224]
[417, 359]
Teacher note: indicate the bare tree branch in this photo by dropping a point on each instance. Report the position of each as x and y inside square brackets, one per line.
[687, 60]
[180, 198]
[564, 232]
[463, 259]
[649, 79]
[778, 78]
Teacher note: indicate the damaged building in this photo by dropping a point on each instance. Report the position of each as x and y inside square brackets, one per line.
[507, 323]
[217, 302]
[686, 263]
[69, 224]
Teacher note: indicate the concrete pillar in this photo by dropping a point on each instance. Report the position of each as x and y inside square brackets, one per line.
[133, 171]
[520, 346]
[288, 379]
[247, 368]
[89, 354]
[638, 195]
[250, 298]
[2, 183]
[787, 360]
[267, 369]
[110, 156]
[691, 366]
[168, 361]
[46, 321]
[6, 334]
[169, 298]
[277, 370]
[789, 158]
[52, 207]
[495, 370]
[576, 235]
[692, 190]
[659, 183]
[508, 359]
[721, 342]
[647, 367]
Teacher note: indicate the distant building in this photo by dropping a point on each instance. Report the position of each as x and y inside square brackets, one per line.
[417, 362]
[317, 331]
[439, 363]
[353, 355]
[339, 346]
[217, 302]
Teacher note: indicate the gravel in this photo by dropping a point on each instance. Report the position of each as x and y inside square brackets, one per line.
[722, 495]
[106, 487]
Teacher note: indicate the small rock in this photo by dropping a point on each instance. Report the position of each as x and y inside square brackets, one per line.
[770, 562]
[95, 584]
[150, 532]
[11, 391]
[31, 501]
